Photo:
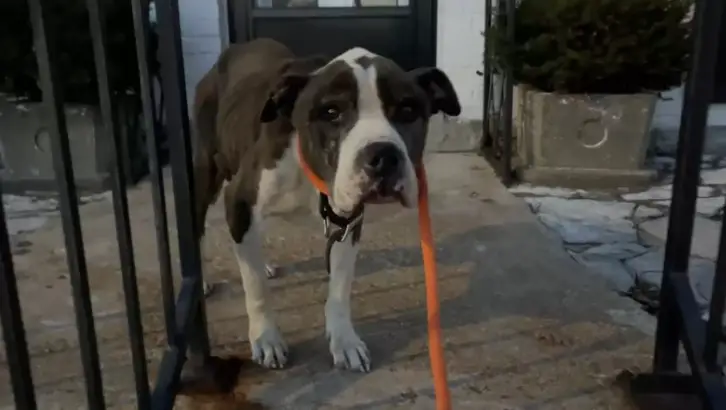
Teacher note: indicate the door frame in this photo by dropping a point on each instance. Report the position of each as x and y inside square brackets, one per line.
[242, 16]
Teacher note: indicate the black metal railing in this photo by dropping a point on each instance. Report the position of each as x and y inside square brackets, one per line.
[185, 317]
[679, 318]
[498, 95]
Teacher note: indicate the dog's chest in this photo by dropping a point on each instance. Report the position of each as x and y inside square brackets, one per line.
[284, 189]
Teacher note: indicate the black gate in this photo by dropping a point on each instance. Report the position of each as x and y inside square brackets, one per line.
[404, 31]
[186, 329]
[702, 385]
[679, 321]
[498, 139]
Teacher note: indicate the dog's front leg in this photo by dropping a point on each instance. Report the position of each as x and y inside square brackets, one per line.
[268, 347]
[347, 348]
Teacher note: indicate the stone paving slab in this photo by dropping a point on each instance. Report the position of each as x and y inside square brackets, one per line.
[526, 327]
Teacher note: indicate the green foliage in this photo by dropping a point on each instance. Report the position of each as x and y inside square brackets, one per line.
[71, 40]
[595, 46]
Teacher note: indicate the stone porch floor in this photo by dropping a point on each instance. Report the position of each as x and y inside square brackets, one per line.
[526, 327]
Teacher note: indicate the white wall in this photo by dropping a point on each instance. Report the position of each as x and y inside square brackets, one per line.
[201, 40]
[460, 50]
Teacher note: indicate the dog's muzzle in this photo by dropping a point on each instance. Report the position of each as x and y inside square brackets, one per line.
[382, 162]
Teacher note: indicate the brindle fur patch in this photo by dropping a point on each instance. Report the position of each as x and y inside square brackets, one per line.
[233, 144]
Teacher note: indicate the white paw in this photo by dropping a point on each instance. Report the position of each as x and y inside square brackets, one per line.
[348, 350]
[268, 347]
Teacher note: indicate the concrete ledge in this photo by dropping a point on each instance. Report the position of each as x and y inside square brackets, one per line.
[587, 178]
[449, 134]
[101, 183]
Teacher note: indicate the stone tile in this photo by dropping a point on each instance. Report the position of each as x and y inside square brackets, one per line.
[586, 221]
[618, 251]
[574, 231]
[617, 275]
[648, 270]
[643, 213]
[714, 177]
[701, 273]
[651, 261]
[709, 207]
[705, 235]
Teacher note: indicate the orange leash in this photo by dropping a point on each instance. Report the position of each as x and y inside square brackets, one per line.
[428, 250]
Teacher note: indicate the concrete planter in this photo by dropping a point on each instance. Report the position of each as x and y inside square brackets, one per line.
[26, 161]
[582, 140]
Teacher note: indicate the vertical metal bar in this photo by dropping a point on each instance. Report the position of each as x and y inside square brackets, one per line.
[56, 123]
[508, 103]
[97, 23]
[697, 96]
[487, 72]
[11, 317]
[174, 358]
[140, 12]
[177, 121]
[714, 327]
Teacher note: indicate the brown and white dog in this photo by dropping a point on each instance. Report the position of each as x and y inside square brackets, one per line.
[361, 124]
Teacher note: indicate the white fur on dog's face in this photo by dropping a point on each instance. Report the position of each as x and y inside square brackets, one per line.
[351, 182]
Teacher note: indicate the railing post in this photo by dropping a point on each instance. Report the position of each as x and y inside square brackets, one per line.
[68, 199]
[487, 80]
[697, 98]
[107, 102]
[140, 12]
[508, 102]
[11, 316]
[177, 121]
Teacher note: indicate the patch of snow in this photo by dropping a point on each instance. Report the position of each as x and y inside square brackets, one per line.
[25, 224]
[664, 192]
[582, 209]
[709, 207]
[714, 177]
[527, 189]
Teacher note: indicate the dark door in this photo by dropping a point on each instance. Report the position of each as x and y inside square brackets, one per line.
[719, 95]
[403, 30]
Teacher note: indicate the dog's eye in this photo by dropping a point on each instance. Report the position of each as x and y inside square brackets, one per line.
[406, 112]
[330, 113]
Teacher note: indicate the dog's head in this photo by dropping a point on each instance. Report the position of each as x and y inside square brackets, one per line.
[362, 123]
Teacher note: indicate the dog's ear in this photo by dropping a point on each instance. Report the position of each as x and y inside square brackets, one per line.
[293, 76]
[439, 90]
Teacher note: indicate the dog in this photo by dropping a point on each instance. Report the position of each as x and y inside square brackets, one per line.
[357, 121]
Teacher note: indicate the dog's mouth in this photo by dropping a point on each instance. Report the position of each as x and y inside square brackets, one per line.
[384, 192]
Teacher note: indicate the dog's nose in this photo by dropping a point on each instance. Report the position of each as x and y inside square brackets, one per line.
[381, 159]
